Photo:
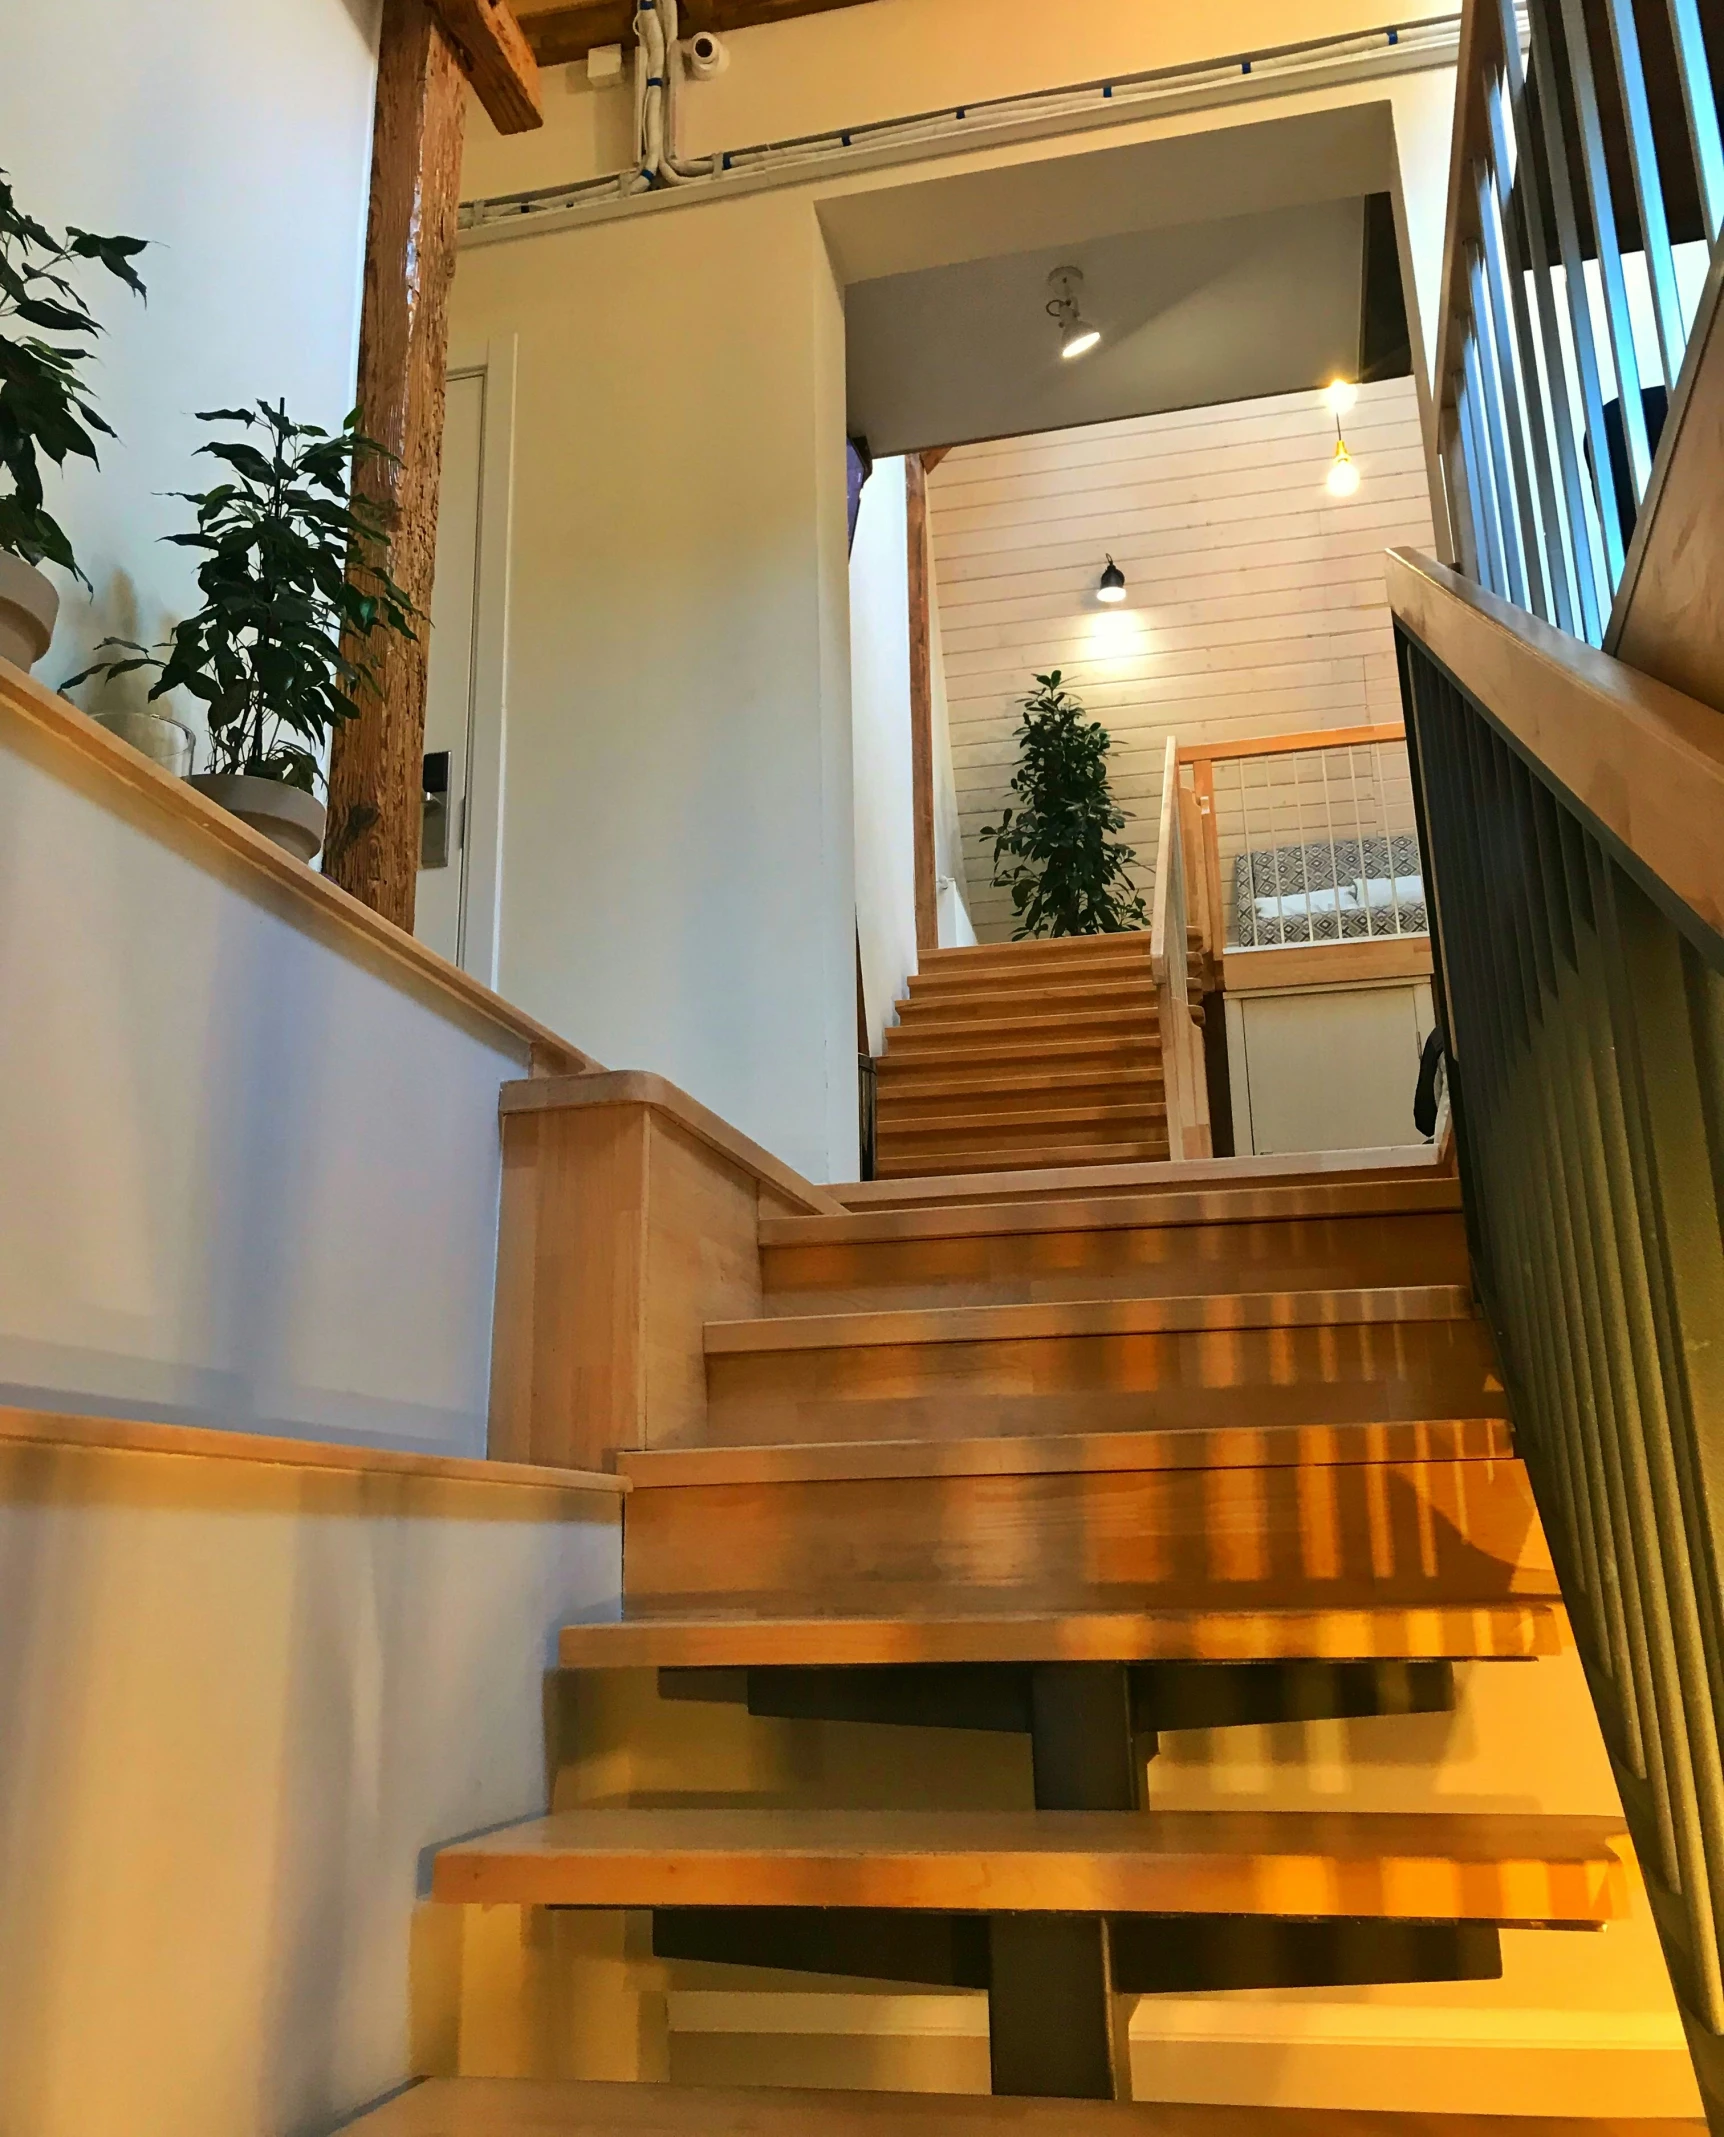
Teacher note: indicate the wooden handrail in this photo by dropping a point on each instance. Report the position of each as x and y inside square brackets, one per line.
[1645, 762]
[1307, 738]
[67, 739]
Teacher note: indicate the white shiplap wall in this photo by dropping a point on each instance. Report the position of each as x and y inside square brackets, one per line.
[1255, 600]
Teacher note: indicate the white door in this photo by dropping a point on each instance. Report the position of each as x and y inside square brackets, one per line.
[440, 912]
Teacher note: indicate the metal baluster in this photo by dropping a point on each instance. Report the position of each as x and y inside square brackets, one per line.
[1490, 467]
[1627, 357]
[1583, 538]
[1702, 108]
[1487, 383]
[1648, 188]
[1509, 382]
[1574, 285]
[1478, 494]
[1501, 229]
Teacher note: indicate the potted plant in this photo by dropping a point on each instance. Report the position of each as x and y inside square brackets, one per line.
[47, 336]
[1056, 853]
[295, 585]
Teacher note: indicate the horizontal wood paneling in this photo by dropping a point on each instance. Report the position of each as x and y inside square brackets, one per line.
[1256, 602]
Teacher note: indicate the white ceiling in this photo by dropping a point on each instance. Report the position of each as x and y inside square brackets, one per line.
[1192, 315]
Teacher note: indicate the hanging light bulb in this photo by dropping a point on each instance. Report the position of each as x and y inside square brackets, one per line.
[1341, 395]
[1112, 586]
[1343, 471]
[1077, 336]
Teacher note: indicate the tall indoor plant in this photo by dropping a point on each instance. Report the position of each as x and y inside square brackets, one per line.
[1055, 851]
[47, 337]
[296, 585]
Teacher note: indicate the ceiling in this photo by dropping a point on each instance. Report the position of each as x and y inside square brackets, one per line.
[1192, 315]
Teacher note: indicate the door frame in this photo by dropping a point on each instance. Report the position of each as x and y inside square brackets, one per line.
[479, 936]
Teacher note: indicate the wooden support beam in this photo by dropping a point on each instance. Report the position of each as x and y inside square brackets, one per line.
[561, 35]
[921, 706]
[376, 764]
[497, 60]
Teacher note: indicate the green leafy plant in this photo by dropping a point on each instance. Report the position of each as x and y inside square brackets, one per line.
[1055, 852]
[45, 408]
[296, 586]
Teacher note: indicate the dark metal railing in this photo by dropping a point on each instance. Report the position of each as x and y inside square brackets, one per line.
[1583, 1004]
[1585, 211]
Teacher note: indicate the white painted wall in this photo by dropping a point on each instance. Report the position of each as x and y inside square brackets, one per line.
[1255, 601]
[678, 874]
[238, 1704]
[880, 738]
[237, 139]
[249, 1182]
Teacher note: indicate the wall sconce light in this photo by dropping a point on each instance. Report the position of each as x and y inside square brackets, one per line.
[1112, 586]
[1343, 471]
[1077, 336]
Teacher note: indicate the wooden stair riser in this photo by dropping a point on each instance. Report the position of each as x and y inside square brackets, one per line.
[907, 1042]
[941, 1162]
[1042, 959]
[935, 1063]
[982, 1127]
[1075, 1004]
[1158, 1261]
[1140, 1382]
[957, 1094]
[1392, 1535]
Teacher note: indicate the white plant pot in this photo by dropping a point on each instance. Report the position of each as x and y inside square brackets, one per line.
[155, 736]
[29, 602]
[288, 816]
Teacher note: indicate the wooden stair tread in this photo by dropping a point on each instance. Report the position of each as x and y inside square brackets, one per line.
[1028, 1022]
[780, 1634]
[1270, 1203]
[1457, 1439]
[1139, 1052]
[537, 2107]
[1054, 1319]
[1516, 1868]
[1169, 1176]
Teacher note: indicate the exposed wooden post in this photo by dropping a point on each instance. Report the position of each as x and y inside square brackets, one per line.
[376, 765]
[428, 50]
[921, 706]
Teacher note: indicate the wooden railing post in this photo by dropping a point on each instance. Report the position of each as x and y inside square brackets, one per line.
[1184, 1084]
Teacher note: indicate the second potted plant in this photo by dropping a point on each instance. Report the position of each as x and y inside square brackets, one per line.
[47, 334]
[295, 583]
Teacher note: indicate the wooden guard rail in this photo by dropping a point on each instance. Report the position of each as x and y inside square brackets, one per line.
[1570, 811]
[1205, 894]
[1184, 1082]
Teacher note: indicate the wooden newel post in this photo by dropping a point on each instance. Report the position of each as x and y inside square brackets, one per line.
[429, 50]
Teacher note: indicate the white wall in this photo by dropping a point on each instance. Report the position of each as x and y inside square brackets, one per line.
[237, 139]
[238, 1704]
[678, 878]
[880, 737]
[1255, 601]
[249, 1181]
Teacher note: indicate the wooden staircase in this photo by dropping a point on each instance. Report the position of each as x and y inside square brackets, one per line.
[1024, 1054]
[1078, 1466]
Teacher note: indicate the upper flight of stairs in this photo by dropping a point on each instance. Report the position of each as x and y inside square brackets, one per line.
[1225, 1444]
[1024, 1054]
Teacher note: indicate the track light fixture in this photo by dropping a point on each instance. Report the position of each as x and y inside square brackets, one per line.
[1077, 336]
[1112, 586]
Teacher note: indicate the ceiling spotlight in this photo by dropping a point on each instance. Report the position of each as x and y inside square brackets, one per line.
[1341, 395]
[1343, 471]
[1077, 336]
[1112, 587]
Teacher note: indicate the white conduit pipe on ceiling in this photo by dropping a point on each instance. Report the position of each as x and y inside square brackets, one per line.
[1426, 41]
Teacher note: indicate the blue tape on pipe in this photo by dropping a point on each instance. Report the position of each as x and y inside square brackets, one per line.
[655, 81]
[1107, 89]
[1394, 37]
[1245, 66]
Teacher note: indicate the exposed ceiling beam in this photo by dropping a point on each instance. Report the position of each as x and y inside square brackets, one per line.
[559, 35]
[497, 59]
